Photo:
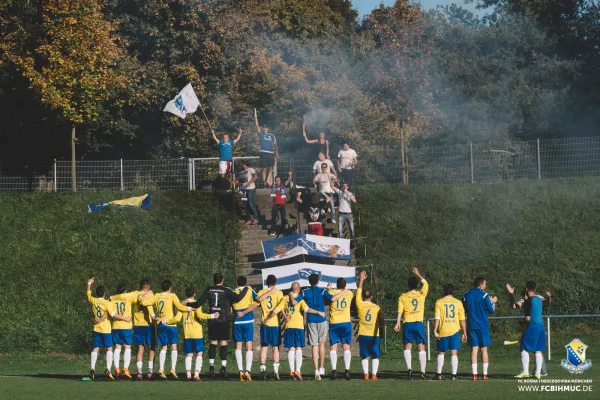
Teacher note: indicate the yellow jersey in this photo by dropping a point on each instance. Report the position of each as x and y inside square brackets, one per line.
[450, 312]
[295, 313]
[269, 304]
[143, 311]
[339, 310]
[166, 304]
[192, 327]
[99, 307]
[412, 304]
[123, 303]
[367, 316]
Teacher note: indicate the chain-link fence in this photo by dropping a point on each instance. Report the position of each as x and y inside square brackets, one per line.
[471, 162]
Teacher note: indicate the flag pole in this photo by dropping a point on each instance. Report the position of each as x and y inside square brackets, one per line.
[205, 117]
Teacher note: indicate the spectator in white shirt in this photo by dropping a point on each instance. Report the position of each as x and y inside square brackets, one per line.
[323, 159]
[324, 182]
[347, 160]
[248, 177]
[345, 200]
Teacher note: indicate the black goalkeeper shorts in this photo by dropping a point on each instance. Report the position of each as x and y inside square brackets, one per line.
[218, 330]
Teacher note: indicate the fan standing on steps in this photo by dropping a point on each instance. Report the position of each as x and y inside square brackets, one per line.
[278, 194]
[248, 177]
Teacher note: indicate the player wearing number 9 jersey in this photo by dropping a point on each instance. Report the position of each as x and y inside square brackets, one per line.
[269, 329]
[340, 327]
[449, 318]
[411, 307]
[368, 328]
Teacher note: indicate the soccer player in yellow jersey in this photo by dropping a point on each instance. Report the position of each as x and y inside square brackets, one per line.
[243, 327]
[449, 320]
[269, 328]
[411, 306]
[102, 334]
[167, 334]
[340, 327]
[368, 329]
[143, 329]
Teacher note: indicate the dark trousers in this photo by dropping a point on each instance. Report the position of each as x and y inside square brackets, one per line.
[278, 209]
[251, 204]
[348, 176]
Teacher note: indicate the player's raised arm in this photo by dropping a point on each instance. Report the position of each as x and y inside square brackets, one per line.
[425, 287]
[214, 136]
[256, 122]
[237, 139]
[361, 280]
[90, 282]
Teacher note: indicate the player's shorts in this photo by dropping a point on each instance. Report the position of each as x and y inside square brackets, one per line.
[317, 333]
[449, 342]
[315, 229]
[218, 330]
[101, 340]
[266, 159]
[224, 167]
[293, 337]
[122, 336]
[243, 332]
[167, 335]
[534, 338]
[269, 336]
[193, 346]
[340, 333]
[369, 346]
[143, 335]
[413, 332]
[479, 337]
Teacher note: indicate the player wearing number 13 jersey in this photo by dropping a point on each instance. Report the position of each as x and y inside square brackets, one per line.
[411, 306]
[449, 318]
[340, 327]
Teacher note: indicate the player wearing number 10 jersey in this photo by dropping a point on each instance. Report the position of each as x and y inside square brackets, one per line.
[340, 327]
[411, 306]
[449, 319]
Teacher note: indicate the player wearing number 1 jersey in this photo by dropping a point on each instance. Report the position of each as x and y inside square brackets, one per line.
[411, 306]
[269, 328]
[449, 319]
[369, 315]
[340, 327]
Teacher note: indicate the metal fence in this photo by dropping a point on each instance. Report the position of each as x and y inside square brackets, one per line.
[471, 162]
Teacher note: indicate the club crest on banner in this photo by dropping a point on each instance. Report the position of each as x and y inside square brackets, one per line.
[576, 361]
[306, 272]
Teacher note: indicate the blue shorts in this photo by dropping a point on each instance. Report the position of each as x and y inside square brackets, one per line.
[143, 335]
[413, 332]
[479, 337]
[167, 335]
[101, 340]
[269, 335]
[122, 336]
[243, 332]
[193, 346]
[534, 338]
[340, 333]
[369, 346]
[449, 342]
[293, 337]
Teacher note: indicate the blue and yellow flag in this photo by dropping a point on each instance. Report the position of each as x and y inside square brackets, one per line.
[144, 202]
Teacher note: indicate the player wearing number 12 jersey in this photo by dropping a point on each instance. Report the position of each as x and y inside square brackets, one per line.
[411, 306]
[340, 327]
[449, 319]
[369, 316]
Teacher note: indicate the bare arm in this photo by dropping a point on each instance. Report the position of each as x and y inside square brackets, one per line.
[256, 123]
[276, 148]
[214, 136]
[289, 179]
[304, 134]
[253, 307]
[463, 326]
[311, 311]
[237, 139]
[436, 325]
[264, 295]
[327, 144]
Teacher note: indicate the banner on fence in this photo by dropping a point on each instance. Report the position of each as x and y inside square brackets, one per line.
[288, 274]
[144, 202]
[312, 245]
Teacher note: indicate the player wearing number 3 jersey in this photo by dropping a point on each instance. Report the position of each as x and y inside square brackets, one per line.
[340, 327]
[411, 306]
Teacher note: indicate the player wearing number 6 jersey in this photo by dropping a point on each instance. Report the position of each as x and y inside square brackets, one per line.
[411, 306]
[269, 328]
[369, 315]
[449, 319]
[340, 327]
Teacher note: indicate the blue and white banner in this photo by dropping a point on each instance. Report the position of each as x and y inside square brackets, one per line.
[312, 245]
[288, 274]
[184, 103]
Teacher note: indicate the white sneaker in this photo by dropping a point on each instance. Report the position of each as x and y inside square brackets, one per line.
[317, 377]
[322, 371]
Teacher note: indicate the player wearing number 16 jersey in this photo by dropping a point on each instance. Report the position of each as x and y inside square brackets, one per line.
[340, 327]
[411, 306]
[449, 319]
[369, 316]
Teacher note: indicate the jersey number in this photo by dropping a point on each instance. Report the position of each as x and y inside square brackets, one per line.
[120, 306]
[161, 305]
[415, 304]
[340, 304]
[98, 312]
[270, 305]
[368, 316]
[216, 299]
[449, 310]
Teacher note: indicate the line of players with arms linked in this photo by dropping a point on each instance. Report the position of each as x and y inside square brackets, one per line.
[150, 321]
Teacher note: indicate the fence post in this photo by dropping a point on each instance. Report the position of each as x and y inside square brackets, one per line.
[54, 173]
[190, 174]
[402, 155]
[122, 175]
[549, 352]
[428, 342]
[538, 160]
[472, 166]
[385, 338]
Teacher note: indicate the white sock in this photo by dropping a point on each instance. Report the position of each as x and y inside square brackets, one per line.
[423, 360]
[223, 363]
[539, 360]
[276, 367]
[347, 359]
[408, 359]
[298, 360]
[474, 369]
[94, 358]
[321, 371]
[239, 360]
[525, 361]
[150, 366]
[109, 359]
[161, 360]
[249, 357]
[263, 367]
[454, 364]
[211, 362]
[139, 365]
[291, 361]
[375, 365]
[440, 363]
[317, 372]
[188, 364]
[117, 357]
[173, 359]
[127, 358]
[333, 358]
[365, 365]
[198, 365]
[485, 368]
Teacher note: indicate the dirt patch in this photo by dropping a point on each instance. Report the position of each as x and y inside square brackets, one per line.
[64, 355]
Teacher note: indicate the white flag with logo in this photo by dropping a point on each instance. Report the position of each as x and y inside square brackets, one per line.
[184, 103]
